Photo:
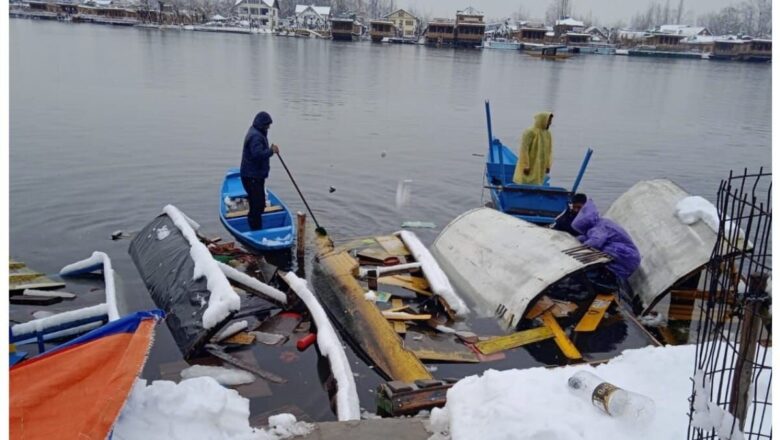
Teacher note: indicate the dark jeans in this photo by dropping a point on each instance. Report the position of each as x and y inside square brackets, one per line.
[255, 190]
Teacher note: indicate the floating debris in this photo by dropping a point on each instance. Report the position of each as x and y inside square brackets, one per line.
[416, 224]
[116, 235]
[331, 190]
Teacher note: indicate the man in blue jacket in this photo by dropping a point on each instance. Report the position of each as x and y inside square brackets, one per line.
[255, 164]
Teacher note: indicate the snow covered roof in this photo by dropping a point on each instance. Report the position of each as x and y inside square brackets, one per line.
[670, 249]
[503, 263]
[321, 10]
[470, 11]
[631, 35]
[701, 39]
[218, 17]
[402, 11]
[683, 29]
[568, 21]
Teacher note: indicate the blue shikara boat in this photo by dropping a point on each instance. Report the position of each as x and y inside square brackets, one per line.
[538, 204]
[278, 228]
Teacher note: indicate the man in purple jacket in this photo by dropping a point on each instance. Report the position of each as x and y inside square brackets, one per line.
[255, 164]
[608, 237]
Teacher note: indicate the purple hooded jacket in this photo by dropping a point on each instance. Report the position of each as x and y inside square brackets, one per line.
[608, 237]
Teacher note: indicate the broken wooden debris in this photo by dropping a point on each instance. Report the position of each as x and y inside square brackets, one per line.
[438, 347]
[34, 300]
[269, 338]
[240, 338]
[563, 341]
[590, 321]
[514, 340]
[404, 316]
[398, 398]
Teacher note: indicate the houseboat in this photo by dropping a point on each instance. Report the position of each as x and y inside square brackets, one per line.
[755, 50]
[502, 44]
[106, 15]
[345, 29]
[441, 32]
[469, 28]
[381, 29]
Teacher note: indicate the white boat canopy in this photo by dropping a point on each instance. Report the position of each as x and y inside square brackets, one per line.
[503, 263]
[670, 249]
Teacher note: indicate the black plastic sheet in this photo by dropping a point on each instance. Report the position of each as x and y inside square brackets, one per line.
[166, 267]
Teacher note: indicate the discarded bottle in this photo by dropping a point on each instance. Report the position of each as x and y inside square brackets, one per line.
[617, 402]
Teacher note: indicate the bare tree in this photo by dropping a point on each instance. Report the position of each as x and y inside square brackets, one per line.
[520, 14]
[558, 9]
[665, 14]
[680, 10]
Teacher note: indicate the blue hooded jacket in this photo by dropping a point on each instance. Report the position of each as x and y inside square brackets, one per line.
[255, 160]
[608, 237]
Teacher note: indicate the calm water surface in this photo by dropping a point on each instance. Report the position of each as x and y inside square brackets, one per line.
[108, 125]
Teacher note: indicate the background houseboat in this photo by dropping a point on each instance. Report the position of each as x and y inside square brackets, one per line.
[345, 29]
[469, 28]
[756, 50]
[381, 29]
[441, 32]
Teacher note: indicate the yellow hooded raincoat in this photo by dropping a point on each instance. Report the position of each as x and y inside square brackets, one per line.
[535, 152]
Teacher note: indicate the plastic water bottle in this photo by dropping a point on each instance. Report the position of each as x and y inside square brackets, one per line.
[617, 402]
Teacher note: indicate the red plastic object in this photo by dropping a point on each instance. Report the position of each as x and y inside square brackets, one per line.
[306, 341]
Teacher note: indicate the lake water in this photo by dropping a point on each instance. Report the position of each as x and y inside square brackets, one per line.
[108, 125]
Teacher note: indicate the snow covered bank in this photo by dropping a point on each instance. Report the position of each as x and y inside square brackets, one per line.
[197, 408]
[437, 279]
[98, 260]
[223, 298]
[347, 403]
[537, 404]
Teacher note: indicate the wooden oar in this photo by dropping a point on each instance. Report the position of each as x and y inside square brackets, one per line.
[320, 230]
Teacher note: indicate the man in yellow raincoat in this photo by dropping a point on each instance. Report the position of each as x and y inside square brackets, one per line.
[535, 157]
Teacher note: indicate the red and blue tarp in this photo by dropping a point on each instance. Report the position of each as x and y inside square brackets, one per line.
[78, 389]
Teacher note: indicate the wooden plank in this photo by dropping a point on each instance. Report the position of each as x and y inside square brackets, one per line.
[403, 316]
[540, 306]
[48, 293]
[590, 321]
[393, 245]
[563, 341]
[245, 212]
[12, 264]
[21, 277]
[514, 340]
[240, 338]
[34, 300]
[415, 284]
[399, 327]
[437, 347]
[42, 283]
[373, 255]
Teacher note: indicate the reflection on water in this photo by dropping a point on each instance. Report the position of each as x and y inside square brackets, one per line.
[108, 125]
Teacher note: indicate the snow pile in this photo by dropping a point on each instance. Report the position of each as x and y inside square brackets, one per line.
[162, 233]
[370, 296]
[197, 408]
[347, 403]
[709, 416]
[282, 241]
[97, 261]
[225, 376]
[653, 320]
[437, 279]
[252, 283]
[536, 403]
[39, 325]
[223, 299]
[691, 209]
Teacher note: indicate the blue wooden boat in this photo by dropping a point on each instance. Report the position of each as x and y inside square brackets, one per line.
[278, 228]
[538, 204]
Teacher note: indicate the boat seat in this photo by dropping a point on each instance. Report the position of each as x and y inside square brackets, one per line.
[245, 212]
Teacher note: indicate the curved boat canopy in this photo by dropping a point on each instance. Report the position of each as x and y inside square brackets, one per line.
[670, 249]
[503, 263]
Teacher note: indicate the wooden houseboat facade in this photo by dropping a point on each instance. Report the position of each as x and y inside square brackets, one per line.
[441, 32]
[381, 29]
[345, 29]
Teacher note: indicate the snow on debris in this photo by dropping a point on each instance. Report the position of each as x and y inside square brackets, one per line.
[39, 325]
[535, 403]
[198, 408]
[347, 403]
[252, 283]
[223, 298]
[437, 279]
[709, 416]
[163, 232]
[97, 261]
[225, 376]
[694, 208]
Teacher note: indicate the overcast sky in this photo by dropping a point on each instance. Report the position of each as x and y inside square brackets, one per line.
[607, 11]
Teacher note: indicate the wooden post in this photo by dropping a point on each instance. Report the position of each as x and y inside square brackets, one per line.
[748, 339]
[300, 250]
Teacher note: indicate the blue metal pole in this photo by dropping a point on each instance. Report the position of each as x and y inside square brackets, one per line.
[582, 170]
[490, 130]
